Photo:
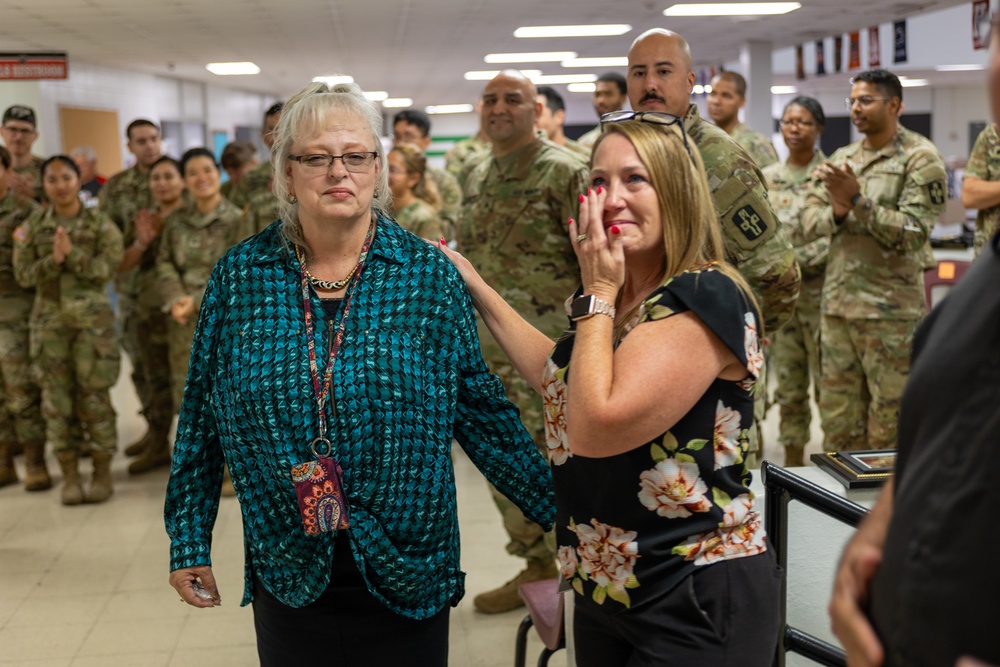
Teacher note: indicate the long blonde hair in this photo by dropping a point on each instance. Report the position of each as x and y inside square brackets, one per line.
[691, 230]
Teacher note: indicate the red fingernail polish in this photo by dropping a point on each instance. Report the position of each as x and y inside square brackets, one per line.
[589, 192]
[615, 230]
[571, 221]
[582, 199]
[443, 242]
[600, 189]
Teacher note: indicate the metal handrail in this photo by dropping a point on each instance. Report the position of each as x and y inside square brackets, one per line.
[781, 487]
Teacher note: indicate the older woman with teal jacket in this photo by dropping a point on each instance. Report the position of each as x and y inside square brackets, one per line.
[336, 358]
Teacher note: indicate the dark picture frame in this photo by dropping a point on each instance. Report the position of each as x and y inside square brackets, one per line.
[863, 469]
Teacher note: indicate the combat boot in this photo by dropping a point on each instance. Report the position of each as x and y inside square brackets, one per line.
[8, 474]
[36, 476]
[794, 456]
[72, 492]
[155, 455]
[100, 485]
[506, 597]
[139, 446]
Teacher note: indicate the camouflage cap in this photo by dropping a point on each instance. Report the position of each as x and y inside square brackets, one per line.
[20, 112]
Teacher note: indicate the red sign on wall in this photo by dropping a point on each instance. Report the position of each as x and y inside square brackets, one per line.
[33, 66]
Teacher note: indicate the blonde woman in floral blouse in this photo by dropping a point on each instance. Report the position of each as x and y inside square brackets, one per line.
[647, 434]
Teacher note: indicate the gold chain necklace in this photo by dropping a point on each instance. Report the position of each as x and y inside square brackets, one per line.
[326, 284]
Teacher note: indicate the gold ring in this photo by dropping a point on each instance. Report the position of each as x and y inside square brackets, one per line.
[581, 237]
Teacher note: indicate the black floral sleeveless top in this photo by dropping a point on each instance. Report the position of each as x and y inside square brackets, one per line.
[632, 526]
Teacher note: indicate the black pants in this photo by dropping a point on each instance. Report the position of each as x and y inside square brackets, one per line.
[345, 626]
[722, 615]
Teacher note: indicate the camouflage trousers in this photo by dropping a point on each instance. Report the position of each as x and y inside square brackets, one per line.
[21, 419]
[795, 360]
[865, 366]
[75, 369]
[144, 339]
[528, 540]
[180, 337]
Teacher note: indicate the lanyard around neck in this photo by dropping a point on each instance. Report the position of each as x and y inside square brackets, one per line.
[321, 389]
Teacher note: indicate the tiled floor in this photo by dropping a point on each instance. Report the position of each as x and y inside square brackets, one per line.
[87, 586]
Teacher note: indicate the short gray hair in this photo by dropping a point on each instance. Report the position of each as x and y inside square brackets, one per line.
[86, 151]
[308, 109]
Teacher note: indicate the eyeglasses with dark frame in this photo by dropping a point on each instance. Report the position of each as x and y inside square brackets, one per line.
[795, 122]
[353, 162]
[654, 117]
[864, 100]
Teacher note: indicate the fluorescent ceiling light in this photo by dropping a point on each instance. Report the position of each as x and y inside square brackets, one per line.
[581, 87]
[572, 30]
[449, 108]
[553, 79]
[397, 102]
[784, 90]
[539, 57]
[913, 83]
[611, 61]
[232, 69]
[376, 95]
[487, 75]
[333, 79]
[732, 9]
[959, 68]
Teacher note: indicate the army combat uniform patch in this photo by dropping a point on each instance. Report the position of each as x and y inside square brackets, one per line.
[750, 223]
[936, 191]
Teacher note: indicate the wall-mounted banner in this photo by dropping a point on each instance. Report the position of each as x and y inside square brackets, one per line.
[16, 66]
[838, 53]
[820, 58]
[800, 64]
[854, 61]
[980, 24]
[899, 39]
[874, 60]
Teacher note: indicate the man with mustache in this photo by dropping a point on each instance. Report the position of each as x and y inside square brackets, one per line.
[877, 199]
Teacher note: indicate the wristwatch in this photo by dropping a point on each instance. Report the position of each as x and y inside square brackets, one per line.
[589, 305]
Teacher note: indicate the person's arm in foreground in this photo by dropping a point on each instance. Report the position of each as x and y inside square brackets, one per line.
[852, 585]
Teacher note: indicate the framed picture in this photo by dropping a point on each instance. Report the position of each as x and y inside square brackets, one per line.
[860, 469]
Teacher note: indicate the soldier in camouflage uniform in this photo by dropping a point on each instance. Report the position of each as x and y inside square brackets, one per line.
[795, 349]
[553, 117]
[728, 96]
[514, 230]
[660, 79]
[258, 214]
[69, 253]
[194, 238]
[415, 200]
[126, 198]
[412, 126]
[981, 185]
[610, 94]
[21, 422]
[238, 159]
[466, 154]
[259, 178]
[878, 200]
[19, 131]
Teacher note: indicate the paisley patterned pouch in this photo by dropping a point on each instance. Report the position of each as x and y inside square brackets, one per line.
[319, 489]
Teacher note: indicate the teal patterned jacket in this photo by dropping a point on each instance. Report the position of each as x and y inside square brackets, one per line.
[408, 379]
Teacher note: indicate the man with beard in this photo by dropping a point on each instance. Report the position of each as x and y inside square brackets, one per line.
[19, 131]
[877, 200]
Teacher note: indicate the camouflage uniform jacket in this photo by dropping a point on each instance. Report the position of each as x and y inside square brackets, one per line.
[875, 268]
[755, 242]
[465, 155]
[514, 230]
[71, 294]
[789, 186]
[421, 219]
[256, 180]
[451, 194]
[122, 197]
[258, 214]
[34, 169]
[190, 245]
[15, 301]
[589, 138]
[759, 146]
[984, 164]
[578, 148]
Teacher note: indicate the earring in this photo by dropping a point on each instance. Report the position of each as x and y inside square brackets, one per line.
[293, 199]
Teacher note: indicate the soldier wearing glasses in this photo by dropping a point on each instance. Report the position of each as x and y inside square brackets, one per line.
[19, 131]
[877, 199]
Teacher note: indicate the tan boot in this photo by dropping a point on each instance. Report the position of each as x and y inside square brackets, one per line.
[72, 492]
[156, 455]
[100, 485]
[506, 598]
[140, 445]
[794, 456]
[8, 474]
[36, 476]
